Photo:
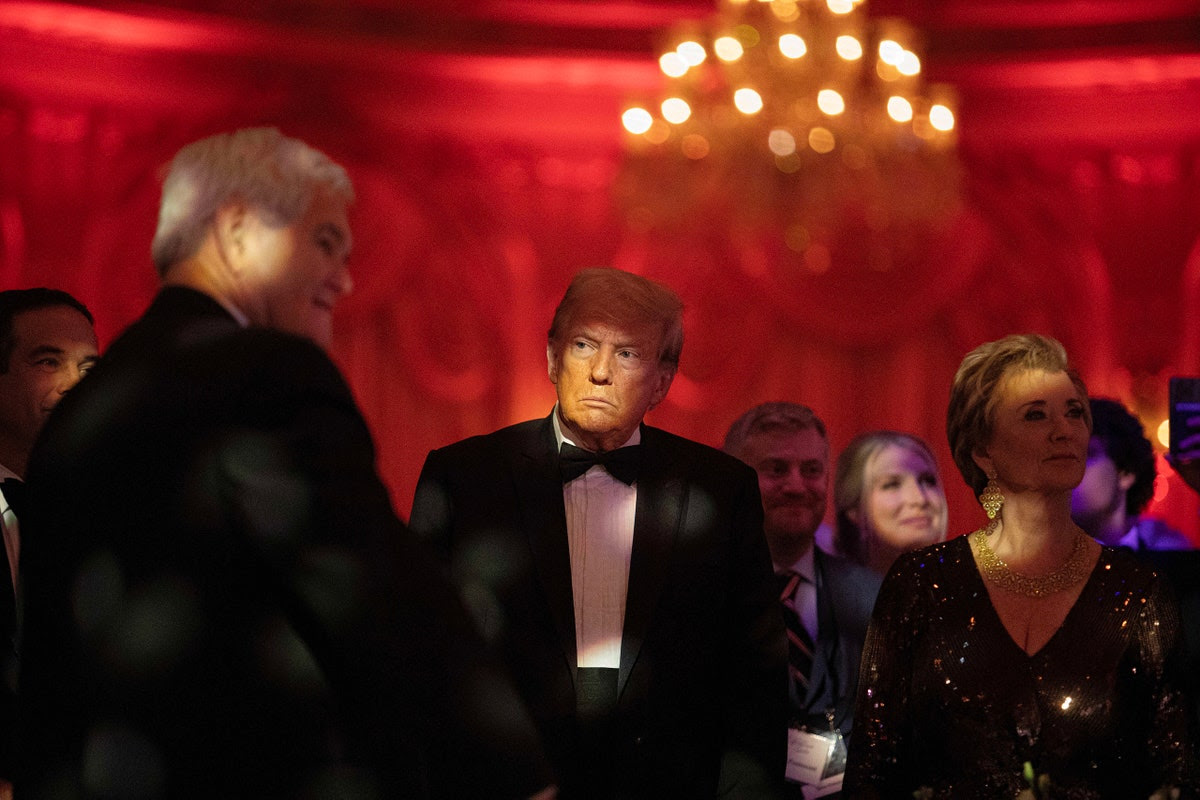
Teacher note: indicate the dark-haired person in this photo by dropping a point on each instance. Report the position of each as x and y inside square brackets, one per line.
[619, 569]
[219, 600]
[1119, 482]
[46, 345]
[1025, 645]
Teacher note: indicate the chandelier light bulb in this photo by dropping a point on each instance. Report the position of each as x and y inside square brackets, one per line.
[821, 140]
[899, 109]
[728, 48]
[941, 117]
[785, 10]
[909, 65]
[748, 101]
[637, 120]
[792, 46]
[890, 52]
[849, 48]
[672, 64]
[676, 110]
[830, 102]
[859, 115]
[692, 53]
[781, 142]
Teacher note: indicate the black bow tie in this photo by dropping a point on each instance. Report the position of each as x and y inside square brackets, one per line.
[14, 493]
[621, 463]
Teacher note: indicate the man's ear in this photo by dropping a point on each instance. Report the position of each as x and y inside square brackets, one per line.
[1125, 480]
[552, 364]
[666, 374]
[230, 229]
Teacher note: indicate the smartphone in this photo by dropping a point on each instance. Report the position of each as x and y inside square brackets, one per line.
[1184, 414]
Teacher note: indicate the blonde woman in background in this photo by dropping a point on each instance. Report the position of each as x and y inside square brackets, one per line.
[889, 499]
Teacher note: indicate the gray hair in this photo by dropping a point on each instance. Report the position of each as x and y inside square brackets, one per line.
[274, 174]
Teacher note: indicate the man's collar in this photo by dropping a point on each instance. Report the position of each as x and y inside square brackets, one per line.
[234, 311]
[804, 566]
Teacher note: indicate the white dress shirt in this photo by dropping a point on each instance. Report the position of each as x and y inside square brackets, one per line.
[600, 515]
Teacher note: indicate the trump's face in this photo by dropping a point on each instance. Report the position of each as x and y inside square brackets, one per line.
[607, 377]
[294, 275]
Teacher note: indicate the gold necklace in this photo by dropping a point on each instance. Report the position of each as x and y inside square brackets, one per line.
[1074, 569]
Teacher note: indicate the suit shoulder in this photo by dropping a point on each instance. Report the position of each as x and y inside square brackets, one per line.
[711, 458]
[844, 572]
[512, 438]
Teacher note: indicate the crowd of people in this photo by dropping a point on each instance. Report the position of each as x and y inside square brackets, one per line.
[211, 596]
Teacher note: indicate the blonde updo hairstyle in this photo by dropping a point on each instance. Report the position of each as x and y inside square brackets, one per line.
[970, 417]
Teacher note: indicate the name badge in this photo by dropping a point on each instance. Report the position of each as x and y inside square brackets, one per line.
[816, 759]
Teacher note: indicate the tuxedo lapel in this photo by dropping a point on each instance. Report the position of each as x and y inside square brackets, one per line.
[540, 494]
[661, 499]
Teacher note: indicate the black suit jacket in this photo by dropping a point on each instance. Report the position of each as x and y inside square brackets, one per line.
[220, 601]
[703, 654]
[8, 662]
[845, 598]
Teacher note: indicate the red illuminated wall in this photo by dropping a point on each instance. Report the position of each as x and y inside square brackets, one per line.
[486, 157]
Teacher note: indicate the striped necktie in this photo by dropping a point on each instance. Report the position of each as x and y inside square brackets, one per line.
[800, 643]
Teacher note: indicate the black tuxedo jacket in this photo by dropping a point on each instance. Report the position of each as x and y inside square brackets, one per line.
[220, 601]
[703, 655]
[8, 662]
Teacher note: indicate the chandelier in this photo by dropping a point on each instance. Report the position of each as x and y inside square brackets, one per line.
[806, 116]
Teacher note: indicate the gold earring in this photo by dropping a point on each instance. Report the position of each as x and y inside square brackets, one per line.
[991, 498]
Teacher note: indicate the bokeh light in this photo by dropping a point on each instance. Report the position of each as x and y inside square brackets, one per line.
[781, 142]
[848, 48]
[728, 48]
[747, 101]
[692, 53]
[899, 109]
[941, 117]
[792, 46]
[637, 120]
[821, 140]
[830, 102]
[676, 110]
[672, 65]
[909, 64]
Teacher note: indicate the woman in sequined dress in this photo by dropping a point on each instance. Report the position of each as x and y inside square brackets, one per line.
[1026, 642]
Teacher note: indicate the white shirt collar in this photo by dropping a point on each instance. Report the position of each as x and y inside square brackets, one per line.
[234, 312]
[804, 566]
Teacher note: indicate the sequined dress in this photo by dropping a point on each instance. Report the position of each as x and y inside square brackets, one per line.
[949, 702]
